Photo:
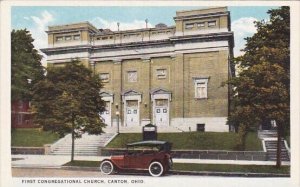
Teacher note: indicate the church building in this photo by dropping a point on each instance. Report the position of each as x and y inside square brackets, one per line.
[170, 76]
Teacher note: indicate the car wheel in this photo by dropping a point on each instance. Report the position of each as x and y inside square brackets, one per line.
[156, 169]
[107, 167]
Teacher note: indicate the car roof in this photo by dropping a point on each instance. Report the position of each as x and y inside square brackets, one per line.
[149, 142]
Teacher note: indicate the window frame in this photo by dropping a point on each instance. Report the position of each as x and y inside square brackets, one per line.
[128, 76]
[161, 75]
[104, 80]
[76, 37]
[187, 26]
[68, 38]
[198, 83]
[201, 25]
[213, 21]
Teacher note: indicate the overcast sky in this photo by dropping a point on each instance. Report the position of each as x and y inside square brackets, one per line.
[37, 19]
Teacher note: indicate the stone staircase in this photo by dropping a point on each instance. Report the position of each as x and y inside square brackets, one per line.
[87, 145]
[269, 138]
[271, 146]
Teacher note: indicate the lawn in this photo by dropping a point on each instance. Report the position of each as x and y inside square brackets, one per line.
[194, 140]
[32, 137]
[204, 167]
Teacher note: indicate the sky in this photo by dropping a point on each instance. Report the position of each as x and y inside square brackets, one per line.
[37, 18]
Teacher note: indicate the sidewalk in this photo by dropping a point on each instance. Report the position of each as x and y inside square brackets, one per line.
[56, 161]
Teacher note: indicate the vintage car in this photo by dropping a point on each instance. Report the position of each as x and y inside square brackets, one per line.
[153, 156]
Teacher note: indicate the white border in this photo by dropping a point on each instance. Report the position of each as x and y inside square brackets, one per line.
[6, 179]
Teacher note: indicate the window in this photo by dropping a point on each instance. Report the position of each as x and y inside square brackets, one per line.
[67, 38]
[201, 127]
[161, 73]
[77, 37]
[201, 25]
[189, 25]
[104, 77]
[59, 39]
[201, 88]
[132, 76]
[212, 23]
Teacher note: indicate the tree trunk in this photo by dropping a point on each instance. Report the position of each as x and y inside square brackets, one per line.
[278, 154]
[73, 142]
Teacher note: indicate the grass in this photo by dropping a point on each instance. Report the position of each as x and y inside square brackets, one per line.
[193, 140]
[83, 163]
[204, 167]
[31, 137]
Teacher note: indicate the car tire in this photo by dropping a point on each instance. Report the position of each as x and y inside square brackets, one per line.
[156, 169]
[107, 167]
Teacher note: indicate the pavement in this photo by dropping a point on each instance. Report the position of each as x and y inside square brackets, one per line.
[57, 161]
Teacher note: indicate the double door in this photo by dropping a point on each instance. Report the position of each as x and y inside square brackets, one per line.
[161, 112]
[132, 113]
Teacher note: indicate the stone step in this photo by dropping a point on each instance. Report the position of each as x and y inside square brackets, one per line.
[86, 145]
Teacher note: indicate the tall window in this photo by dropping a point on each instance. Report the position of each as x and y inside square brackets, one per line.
[132, 76]
[201, 88]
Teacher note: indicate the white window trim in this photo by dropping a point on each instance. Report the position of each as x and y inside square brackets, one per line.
[201, 80]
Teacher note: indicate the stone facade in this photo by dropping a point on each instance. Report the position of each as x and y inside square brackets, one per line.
[167, 75]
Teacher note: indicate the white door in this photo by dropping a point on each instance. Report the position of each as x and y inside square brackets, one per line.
[161, 112]
[132, 113]
[106, 115]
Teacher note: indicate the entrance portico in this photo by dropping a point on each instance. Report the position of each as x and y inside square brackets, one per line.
[106, 115]
[131, 100]
[161, 106]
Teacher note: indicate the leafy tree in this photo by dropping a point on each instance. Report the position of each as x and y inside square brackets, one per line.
[26, 67]
[67, 100]
[262, 88]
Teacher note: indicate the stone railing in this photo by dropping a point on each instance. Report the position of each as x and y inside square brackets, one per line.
[27, 150]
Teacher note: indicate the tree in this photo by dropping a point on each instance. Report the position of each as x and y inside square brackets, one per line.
[67, 100]
[262, 88]
[26, 67]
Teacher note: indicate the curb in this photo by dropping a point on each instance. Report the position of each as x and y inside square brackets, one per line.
[199, 173]
[228, 174]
